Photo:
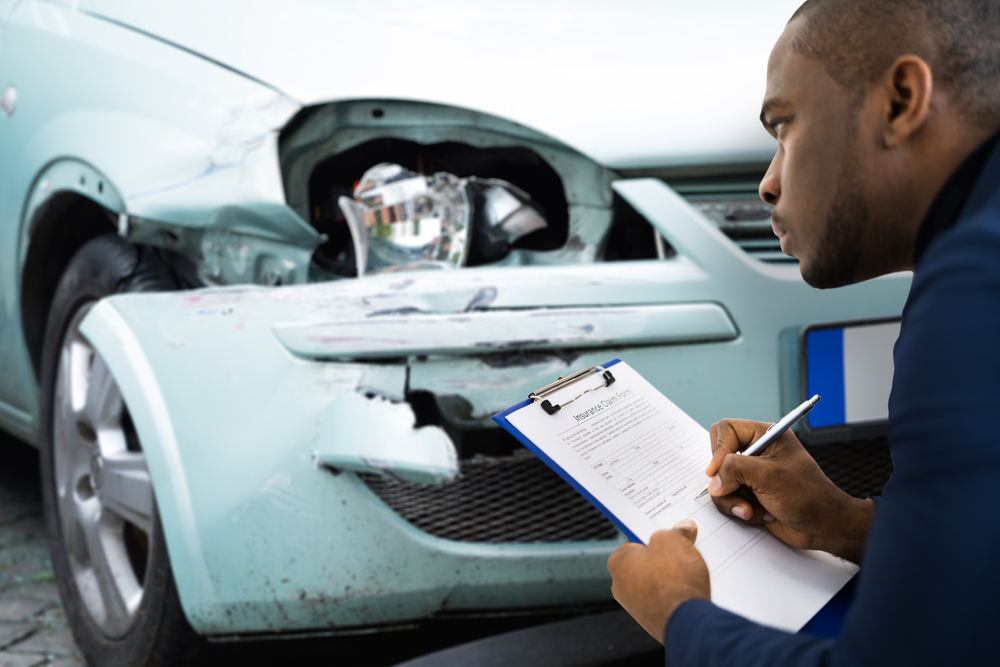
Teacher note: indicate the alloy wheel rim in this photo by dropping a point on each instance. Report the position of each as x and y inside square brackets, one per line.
[103, 491]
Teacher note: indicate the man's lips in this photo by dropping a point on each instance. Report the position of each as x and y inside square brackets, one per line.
[776, 225]
[779, 231]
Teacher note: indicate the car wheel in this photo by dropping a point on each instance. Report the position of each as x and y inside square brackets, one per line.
[108, 549]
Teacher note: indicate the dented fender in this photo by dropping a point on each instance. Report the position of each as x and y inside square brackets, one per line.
[214, 132]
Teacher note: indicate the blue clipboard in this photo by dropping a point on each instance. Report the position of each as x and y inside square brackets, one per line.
[828, 622]
[501, 419]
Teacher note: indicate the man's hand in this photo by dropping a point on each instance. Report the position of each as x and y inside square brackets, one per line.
[650, 582]
[785, 490]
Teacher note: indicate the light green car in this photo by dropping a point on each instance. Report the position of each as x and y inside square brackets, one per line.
[250, 420]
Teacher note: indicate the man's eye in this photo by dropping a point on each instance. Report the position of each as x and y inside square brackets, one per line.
[777, 127]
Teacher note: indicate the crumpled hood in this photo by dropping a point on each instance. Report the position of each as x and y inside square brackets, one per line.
[629, 83]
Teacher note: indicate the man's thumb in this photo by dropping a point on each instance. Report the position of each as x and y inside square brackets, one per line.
[735, 471]
[687, 528]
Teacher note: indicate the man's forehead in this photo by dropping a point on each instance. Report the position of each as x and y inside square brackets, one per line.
[794, 79]
[783, 46]
[781, 91]
[781, 55]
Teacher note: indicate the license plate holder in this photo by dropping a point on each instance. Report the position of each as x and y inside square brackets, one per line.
[850, 365]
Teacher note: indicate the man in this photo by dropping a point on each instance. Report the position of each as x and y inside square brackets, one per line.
[886, 114]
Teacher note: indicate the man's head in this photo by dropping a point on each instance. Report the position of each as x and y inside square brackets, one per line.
[874, 103]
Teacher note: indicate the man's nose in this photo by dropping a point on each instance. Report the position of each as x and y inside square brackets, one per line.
[770, 186]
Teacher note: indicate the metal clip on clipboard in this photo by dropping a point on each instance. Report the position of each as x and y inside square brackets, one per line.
[564, 382]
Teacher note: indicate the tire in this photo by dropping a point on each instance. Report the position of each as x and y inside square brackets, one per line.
[108, 550]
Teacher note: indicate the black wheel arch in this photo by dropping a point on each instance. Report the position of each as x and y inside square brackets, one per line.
[61, 226]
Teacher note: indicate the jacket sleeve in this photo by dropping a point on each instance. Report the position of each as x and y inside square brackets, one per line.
[699, 633]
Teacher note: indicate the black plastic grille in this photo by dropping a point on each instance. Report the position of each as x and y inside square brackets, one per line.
[860, 468]
[518, 499]
[498, 500]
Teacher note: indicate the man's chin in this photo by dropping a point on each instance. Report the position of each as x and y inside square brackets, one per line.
[826, 276]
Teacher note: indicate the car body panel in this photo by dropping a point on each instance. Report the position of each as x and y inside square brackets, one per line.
[620, 88]
[487, 332]
[214, 133]
[404, 451]
[247, 511]
[216, 147]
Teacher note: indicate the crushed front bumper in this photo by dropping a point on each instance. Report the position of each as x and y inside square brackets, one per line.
[236, 392]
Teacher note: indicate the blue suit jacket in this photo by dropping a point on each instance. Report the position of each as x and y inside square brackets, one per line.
[929, 588]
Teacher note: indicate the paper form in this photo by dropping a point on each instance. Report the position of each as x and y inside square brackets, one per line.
[644, 459]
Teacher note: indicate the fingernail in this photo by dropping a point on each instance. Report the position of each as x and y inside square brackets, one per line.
[768, 518]
[739, 512]
[714, 485]
[685, 523]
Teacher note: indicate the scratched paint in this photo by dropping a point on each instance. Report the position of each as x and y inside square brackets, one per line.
[484, 332]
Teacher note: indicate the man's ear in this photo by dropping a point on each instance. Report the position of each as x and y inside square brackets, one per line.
[909, 87]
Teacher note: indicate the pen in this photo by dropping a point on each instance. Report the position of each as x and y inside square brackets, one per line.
[775, 430]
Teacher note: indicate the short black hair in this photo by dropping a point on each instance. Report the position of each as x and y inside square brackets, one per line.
[858, 40]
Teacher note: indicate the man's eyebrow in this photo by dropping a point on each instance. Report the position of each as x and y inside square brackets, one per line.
[768, 105]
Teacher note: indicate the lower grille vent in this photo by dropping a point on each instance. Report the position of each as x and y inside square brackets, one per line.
[748, 223]
[518, 499]
[860, 468]
[513, 499]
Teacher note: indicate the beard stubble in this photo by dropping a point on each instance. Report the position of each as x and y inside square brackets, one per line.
[838, 255]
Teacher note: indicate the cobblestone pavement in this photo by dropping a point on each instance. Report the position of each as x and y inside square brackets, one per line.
[33, 629]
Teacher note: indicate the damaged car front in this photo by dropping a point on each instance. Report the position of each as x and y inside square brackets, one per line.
[298, 420]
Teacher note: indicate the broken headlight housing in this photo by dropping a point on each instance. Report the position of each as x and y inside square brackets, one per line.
[400, 220]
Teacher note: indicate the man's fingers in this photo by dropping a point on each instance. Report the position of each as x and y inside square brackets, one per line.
[750, 511]
[733, 506]
[735, 471]
[688, 529]
[730, 436]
